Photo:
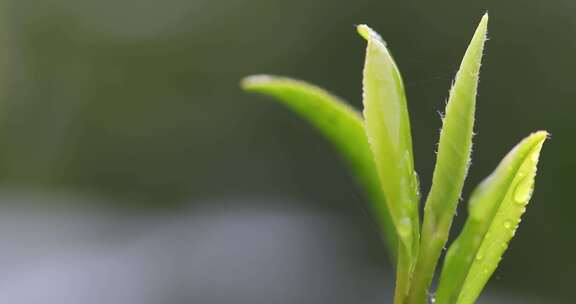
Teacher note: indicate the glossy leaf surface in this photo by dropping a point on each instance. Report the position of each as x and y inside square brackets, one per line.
[388, 130]
[495, 208]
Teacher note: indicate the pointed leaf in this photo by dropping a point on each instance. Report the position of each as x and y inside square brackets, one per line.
[452, 164]
[388, 129]
[495, 208]
[341, 124]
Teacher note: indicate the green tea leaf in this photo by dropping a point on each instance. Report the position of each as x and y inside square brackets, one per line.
[495, 208]
[341, 124]
[388, 129]
[452, 164]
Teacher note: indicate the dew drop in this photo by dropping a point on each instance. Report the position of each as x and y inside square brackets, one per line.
[406, 222]
[508, 224]
[431, 298]
[479, 257]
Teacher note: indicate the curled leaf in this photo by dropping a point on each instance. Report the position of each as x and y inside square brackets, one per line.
[338, 122]
[388, 129]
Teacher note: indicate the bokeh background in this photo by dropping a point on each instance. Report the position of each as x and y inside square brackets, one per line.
[134, 170]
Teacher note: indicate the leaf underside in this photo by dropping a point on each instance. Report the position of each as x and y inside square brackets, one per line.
[342, 125]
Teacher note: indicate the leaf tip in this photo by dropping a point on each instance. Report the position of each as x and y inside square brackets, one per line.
[253, 81]
[535, 141]
[485, 18]
[541, 136]
[483, 26]
[369, 34]
[363, 30]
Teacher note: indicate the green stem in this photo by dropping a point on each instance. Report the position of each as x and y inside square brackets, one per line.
[430, 250]
[404, 266]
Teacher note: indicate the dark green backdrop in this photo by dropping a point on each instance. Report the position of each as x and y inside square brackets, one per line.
[138, 101]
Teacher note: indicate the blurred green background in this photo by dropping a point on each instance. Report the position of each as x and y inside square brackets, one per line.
[136, 105]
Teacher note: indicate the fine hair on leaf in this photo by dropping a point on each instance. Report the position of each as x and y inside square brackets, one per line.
[377, 145]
